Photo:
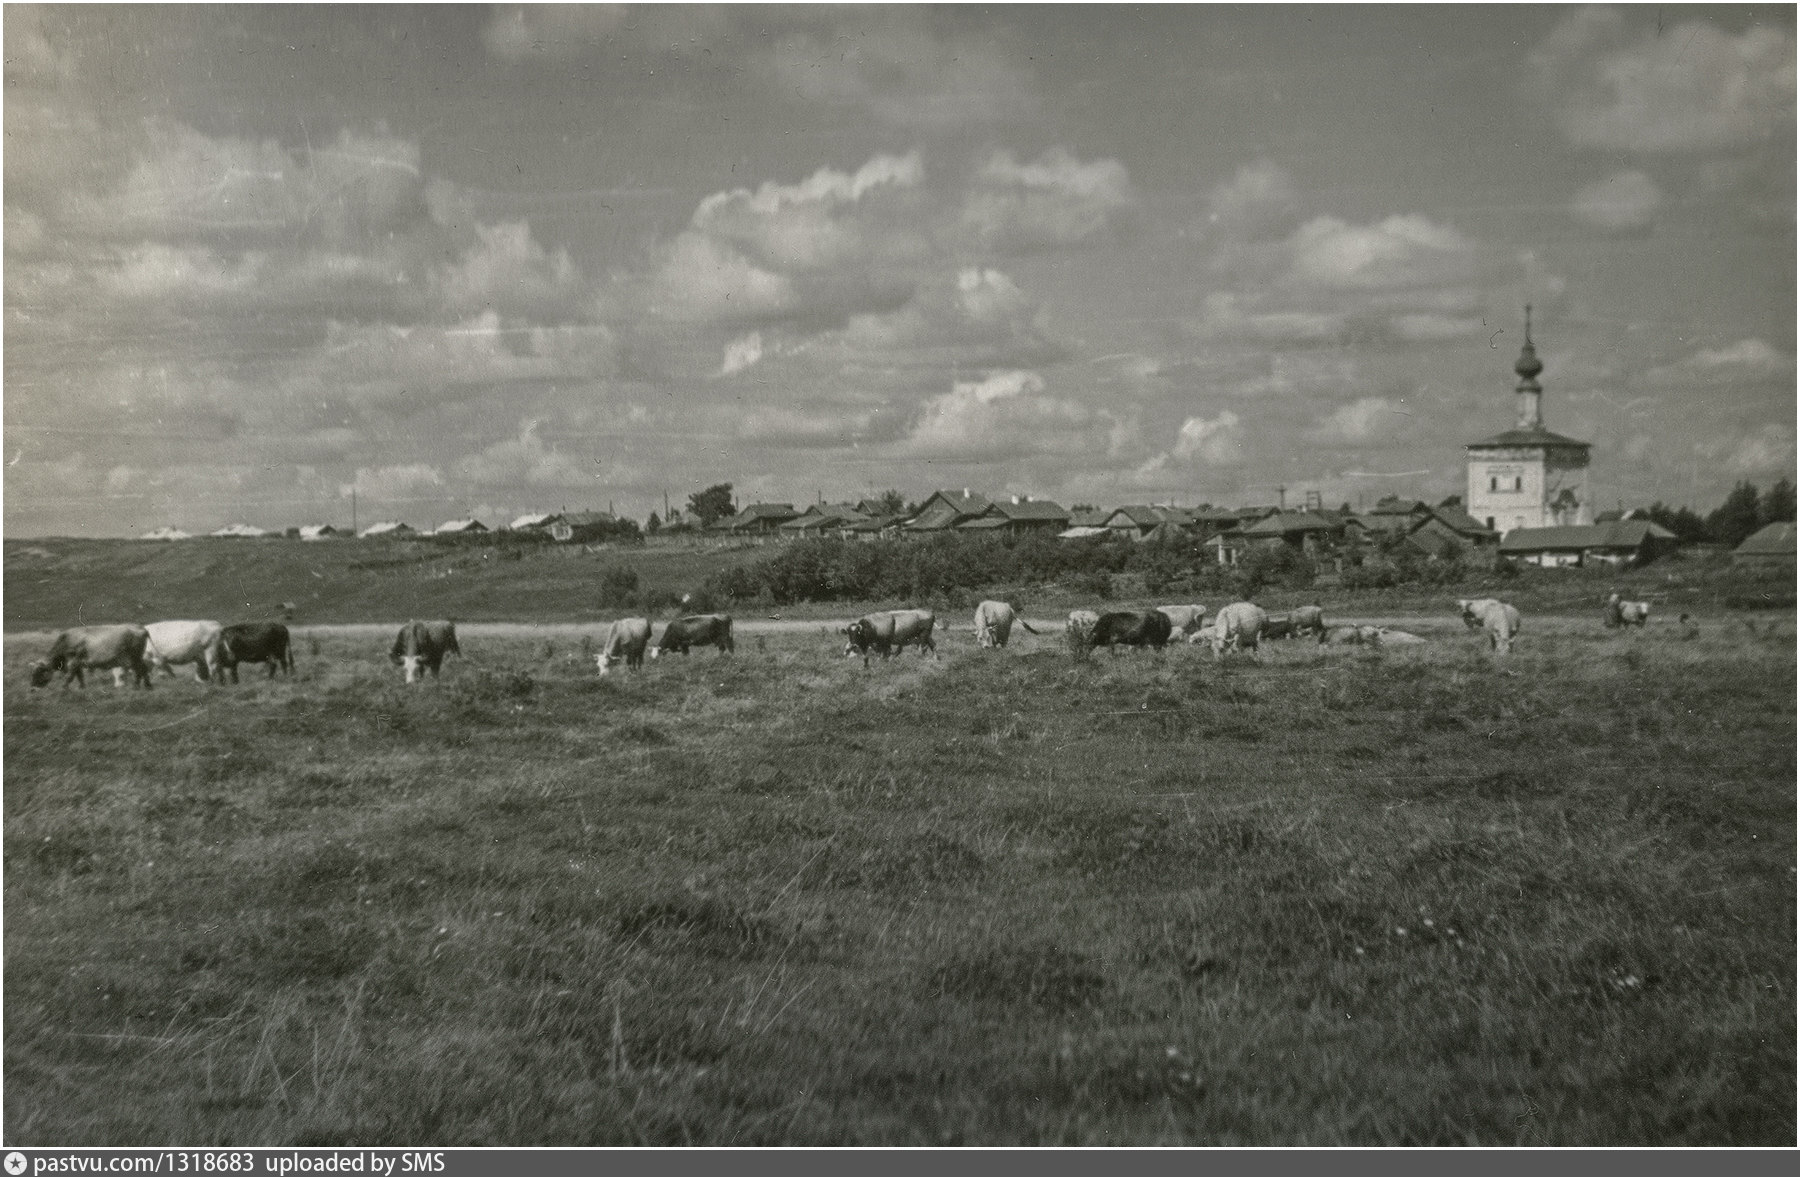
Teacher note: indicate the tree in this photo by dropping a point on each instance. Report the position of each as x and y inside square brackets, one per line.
[653, 524]
[1776, 504]
[1736, 518]
[712, 503]
[892, 502]
[1453, 503]
[1683, 521]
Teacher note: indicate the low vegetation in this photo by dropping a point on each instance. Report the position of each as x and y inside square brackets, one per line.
[1339, 897]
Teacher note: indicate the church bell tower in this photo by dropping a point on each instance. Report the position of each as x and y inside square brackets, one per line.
[1528, 476]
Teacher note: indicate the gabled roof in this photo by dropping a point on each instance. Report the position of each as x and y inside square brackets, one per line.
[1776, 539]
[588, 518]
[1088, 518]
[1030, 509]
[1380, 523]
[983, 523]
[1291, 523]
[1139, 515]
[387, 527]
[1517, 437]
[1629, 533]
[166, 533]
[1392, 505]
[317, 531]
[1081, 531]
[1459, 520]
[244, 530]
[535, 519]
[457, 526]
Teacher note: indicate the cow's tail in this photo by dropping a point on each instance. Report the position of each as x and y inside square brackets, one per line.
[1026, 626]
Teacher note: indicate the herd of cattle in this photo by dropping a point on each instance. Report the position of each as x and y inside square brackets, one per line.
[217, 650]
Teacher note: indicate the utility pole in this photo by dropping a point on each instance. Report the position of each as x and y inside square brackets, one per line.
[1282, 491]
[353, 511]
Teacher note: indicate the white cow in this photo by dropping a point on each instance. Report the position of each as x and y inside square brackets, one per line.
[994, 622]
[1184, 620]
[176, 643]
[626, 639]
[1500, 620]
[1238, 626]
[1619, 612]
[1396, 637]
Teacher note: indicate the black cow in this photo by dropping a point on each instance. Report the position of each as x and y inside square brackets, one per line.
[255, 641]
[1149, 628]
[696, 629]
[421, 646]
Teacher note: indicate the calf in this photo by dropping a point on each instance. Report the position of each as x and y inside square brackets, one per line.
[255, 641]
[1184, 620]
[1238, 626]
[1619, 612]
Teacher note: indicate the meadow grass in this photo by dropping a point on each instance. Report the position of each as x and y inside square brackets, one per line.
[1343, 896]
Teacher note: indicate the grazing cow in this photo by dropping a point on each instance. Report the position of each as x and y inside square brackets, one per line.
[422, 645]
[1343, 635]
[99, 647]
[1082, 622]
[889, 633]
[176, 643]
[696, 629]
[626, 639]
[1500, 620]
[1309, 619]
[1184, 620]
[255, 641]
[1238, 626]
[1620, 612]
[1149, 628]
[1279, 625]
[994, 622]
[1202, 636]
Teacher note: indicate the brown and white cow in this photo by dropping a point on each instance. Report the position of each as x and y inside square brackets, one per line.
[890, 632]
[422, 646]
[96, 647]
[625, 642]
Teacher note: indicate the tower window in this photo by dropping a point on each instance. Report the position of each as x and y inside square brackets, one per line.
[1493, 484]
[1519, 483]
[1490, 522]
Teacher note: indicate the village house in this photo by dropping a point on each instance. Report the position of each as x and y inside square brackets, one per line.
[1628, 542]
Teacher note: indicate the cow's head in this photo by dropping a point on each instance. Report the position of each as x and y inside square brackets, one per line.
[40, 674]
[409, 665]
[859, 635]
[655, 653]
[604, 661]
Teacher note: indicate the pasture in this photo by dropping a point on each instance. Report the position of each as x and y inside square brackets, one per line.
[1340, 896]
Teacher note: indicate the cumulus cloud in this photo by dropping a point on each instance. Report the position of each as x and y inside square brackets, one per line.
[1748, 360]
[1005, 415]
[525, 460]
[1259, 203]
[1053, 201]
[813, 224]
[1365, 419]
[1625, 201]
[1769, 450]
[742, 352]
[1199, 442]
[1399, 251]
[411, 483]
[508, 271]
[1688, 87]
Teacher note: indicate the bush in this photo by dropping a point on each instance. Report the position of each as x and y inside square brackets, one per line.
[619, 587]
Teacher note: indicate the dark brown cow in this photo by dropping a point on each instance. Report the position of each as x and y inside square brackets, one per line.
[255, 641]
[1149, 628]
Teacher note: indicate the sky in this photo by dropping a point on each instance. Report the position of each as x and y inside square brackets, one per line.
[260, 261]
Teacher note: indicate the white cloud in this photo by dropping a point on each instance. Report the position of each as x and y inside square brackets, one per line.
[1006, 415]
[1260, 202]
[1214, 440]
[1748, 360]
[1627, 200]
[1400, 251]
[1054, 201]
[527, 460]
[1362, 420]
[508, 271]
[411, 483]
[742, 352]
[1686, 87]
[1228, 315]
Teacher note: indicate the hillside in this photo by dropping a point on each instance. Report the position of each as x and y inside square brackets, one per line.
[58, 582]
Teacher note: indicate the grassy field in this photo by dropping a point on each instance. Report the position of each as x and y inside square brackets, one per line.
[1343, 896]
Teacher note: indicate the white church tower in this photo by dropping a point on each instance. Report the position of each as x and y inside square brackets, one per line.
[1528, 476]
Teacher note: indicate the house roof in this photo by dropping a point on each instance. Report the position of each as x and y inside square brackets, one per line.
[1516, 437]
[1291, 522]
[313, 529]
[983, 523]
[1392, 505]
[589, 518]
[1776, 539]
[1088, 518]
[1459, 520]
[166, 533]
[1629, 533]
[1028, 509]
[1382, 523]
[386, 527]
[1081, 531]
[241, 529]
[1138, 515]
[535, 519]
[871, 523]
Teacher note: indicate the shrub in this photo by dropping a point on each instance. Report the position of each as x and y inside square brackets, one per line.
[619, 587]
